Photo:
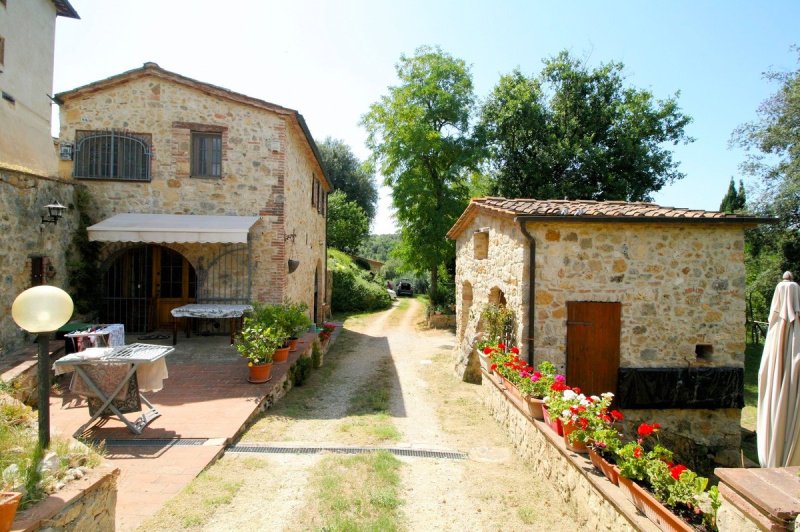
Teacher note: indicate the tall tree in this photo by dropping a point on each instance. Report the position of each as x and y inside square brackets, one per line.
[773, 145]
[348, 226]
[772, 142]
[579, 133]
[734, 201]
[349, 175]
[420, 138]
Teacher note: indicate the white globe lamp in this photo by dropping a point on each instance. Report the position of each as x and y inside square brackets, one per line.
[42, 310]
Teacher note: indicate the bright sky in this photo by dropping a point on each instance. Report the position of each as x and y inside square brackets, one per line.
[331, 60]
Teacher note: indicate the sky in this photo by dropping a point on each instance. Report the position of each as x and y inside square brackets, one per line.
[331, 60]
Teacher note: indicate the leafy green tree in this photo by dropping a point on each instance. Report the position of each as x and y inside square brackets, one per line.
[421, 140]
[773, 145]
[772, 142]
[577, 133]
[349, 175]
[734, 201]
[347, 224]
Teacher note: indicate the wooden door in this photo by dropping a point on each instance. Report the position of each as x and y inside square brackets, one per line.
[174, 284]
[593, 342]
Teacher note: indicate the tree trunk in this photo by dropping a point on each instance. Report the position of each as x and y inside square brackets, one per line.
[434, 283]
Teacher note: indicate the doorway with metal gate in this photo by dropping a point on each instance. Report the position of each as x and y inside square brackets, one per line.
[143, 284]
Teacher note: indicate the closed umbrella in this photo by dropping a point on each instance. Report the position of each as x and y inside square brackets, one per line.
[777, 426]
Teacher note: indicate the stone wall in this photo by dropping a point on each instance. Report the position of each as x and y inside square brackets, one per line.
[86, 504]
[22, 198]
[599, 504]
[266, 167]
[307, 224]
[480, 280]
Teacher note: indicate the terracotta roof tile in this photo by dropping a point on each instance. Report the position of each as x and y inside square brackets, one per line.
[588, 210]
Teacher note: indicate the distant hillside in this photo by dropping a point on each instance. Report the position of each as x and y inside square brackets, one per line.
[377, 247]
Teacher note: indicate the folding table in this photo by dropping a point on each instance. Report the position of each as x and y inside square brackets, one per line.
[135, 355]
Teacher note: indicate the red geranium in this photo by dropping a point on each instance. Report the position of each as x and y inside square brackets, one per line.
[676, 471]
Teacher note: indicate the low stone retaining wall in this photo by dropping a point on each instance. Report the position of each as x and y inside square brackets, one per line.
[597, 501]
[89, 503]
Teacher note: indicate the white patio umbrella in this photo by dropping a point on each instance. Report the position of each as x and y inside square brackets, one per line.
[777, 424]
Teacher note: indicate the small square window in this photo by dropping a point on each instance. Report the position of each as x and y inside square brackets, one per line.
[206, 154]
[480, 244]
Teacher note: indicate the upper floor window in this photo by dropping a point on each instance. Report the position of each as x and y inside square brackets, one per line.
[112, 155]
[206, 154]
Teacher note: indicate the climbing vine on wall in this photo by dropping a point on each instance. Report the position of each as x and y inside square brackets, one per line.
[82, 259]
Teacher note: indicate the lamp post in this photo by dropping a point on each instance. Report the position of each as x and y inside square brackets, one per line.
[41, 310]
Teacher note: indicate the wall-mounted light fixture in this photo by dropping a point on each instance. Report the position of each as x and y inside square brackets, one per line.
[54, 213]
[293, 264]
[290, 237]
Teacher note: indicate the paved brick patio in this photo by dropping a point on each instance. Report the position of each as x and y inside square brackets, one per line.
[206, 397]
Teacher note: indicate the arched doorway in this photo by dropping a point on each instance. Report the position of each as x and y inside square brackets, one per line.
[143, 284]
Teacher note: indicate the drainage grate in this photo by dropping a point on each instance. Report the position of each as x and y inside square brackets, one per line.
[154, 442]
[414, 453]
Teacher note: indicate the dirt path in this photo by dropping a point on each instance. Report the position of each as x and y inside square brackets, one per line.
[429, 407]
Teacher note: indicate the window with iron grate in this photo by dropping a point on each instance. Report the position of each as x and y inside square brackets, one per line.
[112, 155]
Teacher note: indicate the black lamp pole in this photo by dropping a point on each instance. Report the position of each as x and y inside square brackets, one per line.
[43, 363]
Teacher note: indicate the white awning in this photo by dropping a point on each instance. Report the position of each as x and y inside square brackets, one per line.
[185, 228]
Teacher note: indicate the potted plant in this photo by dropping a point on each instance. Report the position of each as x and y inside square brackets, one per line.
[535, 385]
[258, 343]
[296, 321]
[603, 447]
[583, 417]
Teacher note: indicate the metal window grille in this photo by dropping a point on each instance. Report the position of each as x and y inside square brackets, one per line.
[112, 155]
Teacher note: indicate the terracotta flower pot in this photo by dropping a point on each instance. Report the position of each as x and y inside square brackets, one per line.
[654, 510]
[281, 355]
[576, 446]
[607, 468]
[535, 407]
[9, 500]
[293, 343]
[554, 424]
[260, 373]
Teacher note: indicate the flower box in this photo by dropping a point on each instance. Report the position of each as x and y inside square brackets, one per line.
[607, 468]
[654, 510]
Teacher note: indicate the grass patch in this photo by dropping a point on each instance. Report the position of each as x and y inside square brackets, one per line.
[196, 504]
[752, 362]
[368, 419]
[354, 493]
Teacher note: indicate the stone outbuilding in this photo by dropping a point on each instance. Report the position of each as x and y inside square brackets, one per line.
[196, 194]
[644, 301]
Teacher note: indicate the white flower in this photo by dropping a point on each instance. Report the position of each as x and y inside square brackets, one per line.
[607, 395]
[595, 398]
[569, 395]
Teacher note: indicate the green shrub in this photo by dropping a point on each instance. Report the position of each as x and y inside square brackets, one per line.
[354, 289]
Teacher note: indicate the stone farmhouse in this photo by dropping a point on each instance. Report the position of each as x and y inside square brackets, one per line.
[198, 194]
[644, 301]
[30, 253]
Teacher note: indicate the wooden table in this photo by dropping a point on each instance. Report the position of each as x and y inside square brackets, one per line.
[233, 313]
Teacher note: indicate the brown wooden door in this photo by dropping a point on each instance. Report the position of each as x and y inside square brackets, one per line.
[174, 282]
[593, 337]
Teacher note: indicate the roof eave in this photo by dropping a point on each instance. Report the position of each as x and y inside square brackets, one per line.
[646, 219]
[64, 9]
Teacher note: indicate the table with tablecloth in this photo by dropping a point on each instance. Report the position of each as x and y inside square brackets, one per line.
[233, 313]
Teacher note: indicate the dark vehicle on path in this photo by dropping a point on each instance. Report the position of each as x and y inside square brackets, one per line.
[405, 288]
